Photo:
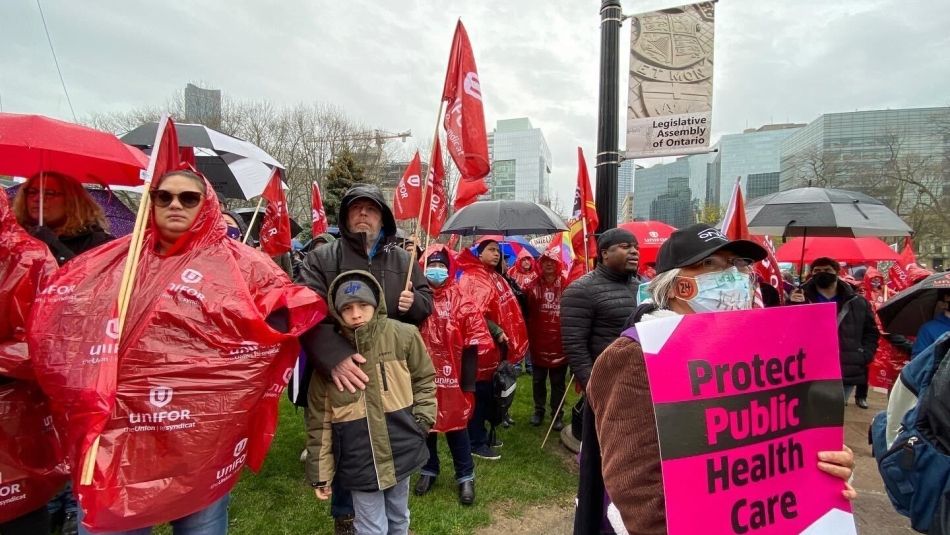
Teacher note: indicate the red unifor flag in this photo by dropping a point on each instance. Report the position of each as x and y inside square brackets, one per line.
[584, 212]
[408, 192]
[736, 227]
[465, 120]
[275, 227]
[435, 211]
[898, 272]
[318, 216]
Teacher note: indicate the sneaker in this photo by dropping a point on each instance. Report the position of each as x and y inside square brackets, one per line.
[497, 443]
[536, 419]
[863, 403]
[70, 524]
[303, 455]
[484, 452]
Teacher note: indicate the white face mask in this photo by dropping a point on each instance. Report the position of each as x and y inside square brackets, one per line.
[720, 291]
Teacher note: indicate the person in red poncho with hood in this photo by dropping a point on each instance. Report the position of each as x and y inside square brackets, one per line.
[185, 394]
[893, 350]
[483, 282]
[524, 271]
[30, 455]
[452, 334]
[544, 334]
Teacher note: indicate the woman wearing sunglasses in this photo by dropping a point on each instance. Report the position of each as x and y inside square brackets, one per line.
[72, 222]
[186, 395]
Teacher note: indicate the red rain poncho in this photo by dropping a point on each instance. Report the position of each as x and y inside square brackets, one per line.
[888, 360]
[544, 316]
[189, 394]
[454, 324]
[31, 461]
[495, 301]
[520, 275]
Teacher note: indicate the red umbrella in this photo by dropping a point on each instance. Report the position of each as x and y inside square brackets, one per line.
[849, 250]
[650, 236]
[30, 144]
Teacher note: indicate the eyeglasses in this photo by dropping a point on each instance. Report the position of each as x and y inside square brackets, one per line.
[188, 199]
[47, 193]
[718, 263]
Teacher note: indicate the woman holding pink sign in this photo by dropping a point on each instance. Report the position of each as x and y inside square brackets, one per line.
[698, 271]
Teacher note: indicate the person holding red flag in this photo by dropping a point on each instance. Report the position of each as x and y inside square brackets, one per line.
[465, 120]
[210, 319]
[482, 279]
[452, 334]
[544, 336]
[30, 453]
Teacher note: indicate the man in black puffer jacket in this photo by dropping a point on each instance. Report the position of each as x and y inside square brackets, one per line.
[595, 307]
[857, 332]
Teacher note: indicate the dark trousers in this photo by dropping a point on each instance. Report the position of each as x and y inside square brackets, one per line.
[461, 455]
[34, 523]
[341, 501]
[477, 433]
[540, 388]
[861, 392]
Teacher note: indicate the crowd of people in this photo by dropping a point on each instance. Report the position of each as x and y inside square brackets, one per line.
[401, 345]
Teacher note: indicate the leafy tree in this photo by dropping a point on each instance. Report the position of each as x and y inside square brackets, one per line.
[343, 174]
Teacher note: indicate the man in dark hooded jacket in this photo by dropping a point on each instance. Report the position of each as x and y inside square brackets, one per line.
[366, 228]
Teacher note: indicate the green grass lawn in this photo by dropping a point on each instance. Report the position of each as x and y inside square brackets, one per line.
[278, 499]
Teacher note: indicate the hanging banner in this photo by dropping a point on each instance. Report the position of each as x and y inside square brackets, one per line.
[669, 105]
[744, 402]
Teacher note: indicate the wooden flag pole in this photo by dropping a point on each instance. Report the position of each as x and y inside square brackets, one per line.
[253, 219]
[559, 409]
[422, 201]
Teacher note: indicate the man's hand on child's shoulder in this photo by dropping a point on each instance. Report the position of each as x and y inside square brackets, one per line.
[347, 374]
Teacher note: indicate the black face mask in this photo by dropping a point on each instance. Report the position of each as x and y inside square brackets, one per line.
[825, 280]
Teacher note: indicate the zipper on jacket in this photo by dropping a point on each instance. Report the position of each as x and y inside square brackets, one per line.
[369, 433]
[382, 372]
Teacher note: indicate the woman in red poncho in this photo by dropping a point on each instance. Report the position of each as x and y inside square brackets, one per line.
[523, 272]
[30, 455]
[544, 334]
[452, 335]
[893, 350]
[187, 394]
[483, 282]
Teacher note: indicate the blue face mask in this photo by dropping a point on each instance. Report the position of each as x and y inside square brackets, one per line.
[437, 275]
[725, 290]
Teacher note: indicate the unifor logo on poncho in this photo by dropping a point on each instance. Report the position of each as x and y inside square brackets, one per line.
[11, 492]
[160, 419]
[239, 458]
[109, 348]
[189, 277]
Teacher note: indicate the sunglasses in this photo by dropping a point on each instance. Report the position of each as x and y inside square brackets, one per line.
[47, 193]
[188, 199]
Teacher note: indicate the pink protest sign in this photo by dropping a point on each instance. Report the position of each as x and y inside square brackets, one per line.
[744, 402]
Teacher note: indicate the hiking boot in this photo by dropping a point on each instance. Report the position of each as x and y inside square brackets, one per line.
[484, 452]
[861, 402]
[70, 524]
[467, 492]
[536, 419]
[424, 484]
[343, 525]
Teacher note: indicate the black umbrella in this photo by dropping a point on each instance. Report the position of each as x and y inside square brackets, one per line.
[907, 311]
[248, 213]
[504, 217]
[237, 169]
[822, 212]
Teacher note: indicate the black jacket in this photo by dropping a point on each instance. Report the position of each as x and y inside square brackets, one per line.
[66, 248]
[857, 332]
[594, 309]
[389, 265]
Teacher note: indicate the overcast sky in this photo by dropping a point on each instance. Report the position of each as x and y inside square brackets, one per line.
[383, 62]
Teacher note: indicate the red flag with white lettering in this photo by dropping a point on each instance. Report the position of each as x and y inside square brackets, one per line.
[436, 209]
[408, 192]
[897, 274]
[275, 227]
[465, 120]
[736, 227]
[318, 217]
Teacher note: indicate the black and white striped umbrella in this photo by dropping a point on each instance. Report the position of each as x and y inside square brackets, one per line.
[237, 169]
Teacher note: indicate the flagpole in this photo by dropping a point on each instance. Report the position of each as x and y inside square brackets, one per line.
[422, 201]
[586, 242]
[554, 417]
[253, 219]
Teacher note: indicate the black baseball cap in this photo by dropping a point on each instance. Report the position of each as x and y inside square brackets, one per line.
[689, 245]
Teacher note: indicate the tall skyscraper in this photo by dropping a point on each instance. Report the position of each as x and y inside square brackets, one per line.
[203, 106]
[624, 185]
[521, 162]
